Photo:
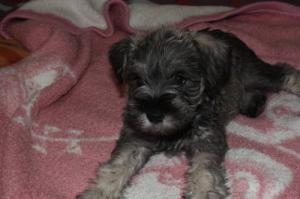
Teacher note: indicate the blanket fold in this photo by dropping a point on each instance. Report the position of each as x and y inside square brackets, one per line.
[60, 107]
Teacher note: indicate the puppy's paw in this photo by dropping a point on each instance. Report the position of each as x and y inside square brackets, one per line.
[253, 104]
[292, 83]
[218, 193]
[219, 189]
[94, 193]
[208, 184]
[91, 194]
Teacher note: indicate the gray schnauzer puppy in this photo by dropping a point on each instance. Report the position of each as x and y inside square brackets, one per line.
[183, 88]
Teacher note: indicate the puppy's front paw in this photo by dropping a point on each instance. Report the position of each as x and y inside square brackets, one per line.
[97, 193]
[220, 192]
[93, 194]
[206, 184]
[216, 194]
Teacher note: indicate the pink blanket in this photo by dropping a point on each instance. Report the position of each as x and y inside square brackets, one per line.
[60, 109]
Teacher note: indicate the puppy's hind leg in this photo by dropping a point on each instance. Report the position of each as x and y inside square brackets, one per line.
[271, 78]
[261, 78]
[253, 103]
[292, 82]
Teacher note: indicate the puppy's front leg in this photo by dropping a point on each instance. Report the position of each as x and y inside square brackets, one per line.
[205, 178]
[206, 175]
[112, 177]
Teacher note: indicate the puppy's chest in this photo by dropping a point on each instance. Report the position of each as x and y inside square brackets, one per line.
[197, 135]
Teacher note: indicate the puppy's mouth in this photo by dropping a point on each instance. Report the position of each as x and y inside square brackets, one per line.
[157, 123]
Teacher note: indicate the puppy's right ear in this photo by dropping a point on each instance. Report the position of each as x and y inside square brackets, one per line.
[119, 57]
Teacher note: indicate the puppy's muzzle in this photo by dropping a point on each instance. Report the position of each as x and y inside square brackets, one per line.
[156, 108]
[155, 116]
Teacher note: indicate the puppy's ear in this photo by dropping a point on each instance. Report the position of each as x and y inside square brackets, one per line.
[215, 58]
[119, 57]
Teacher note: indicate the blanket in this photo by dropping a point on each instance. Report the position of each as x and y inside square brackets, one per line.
[60, 107]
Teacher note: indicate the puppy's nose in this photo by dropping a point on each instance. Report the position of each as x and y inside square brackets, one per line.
[155, 116]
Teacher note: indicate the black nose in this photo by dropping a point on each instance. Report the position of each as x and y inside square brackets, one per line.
[155, 116]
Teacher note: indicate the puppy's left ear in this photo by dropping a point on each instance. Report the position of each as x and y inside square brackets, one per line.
[119, 57]
[215, 58]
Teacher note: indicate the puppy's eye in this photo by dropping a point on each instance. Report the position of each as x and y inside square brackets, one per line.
[180, 80]
[134, 78]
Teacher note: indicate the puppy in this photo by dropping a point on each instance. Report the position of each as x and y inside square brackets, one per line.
[183, 88]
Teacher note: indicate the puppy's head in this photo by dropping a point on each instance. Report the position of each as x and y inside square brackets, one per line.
[169, 73]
